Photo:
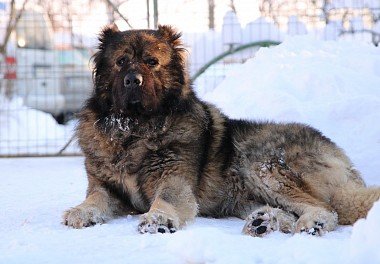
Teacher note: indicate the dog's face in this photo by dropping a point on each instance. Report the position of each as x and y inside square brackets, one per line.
[139, 71]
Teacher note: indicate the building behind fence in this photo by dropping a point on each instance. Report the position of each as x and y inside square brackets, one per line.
[46, 46]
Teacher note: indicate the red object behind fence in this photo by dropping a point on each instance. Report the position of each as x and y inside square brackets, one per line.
[10, 68]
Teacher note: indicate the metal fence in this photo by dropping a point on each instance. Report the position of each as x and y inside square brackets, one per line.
[46, 46]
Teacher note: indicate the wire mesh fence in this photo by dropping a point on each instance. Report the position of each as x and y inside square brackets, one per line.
[46, 47]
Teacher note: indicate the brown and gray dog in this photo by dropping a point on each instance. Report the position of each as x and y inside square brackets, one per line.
[152, 147]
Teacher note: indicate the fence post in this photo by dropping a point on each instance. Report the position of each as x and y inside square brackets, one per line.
[147, 13]
[155, 13]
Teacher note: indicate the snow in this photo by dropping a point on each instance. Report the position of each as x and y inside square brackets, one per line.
[29, 131]
[35, 192]
[261, 29]
[333, 86]
[295, 27]
[365, 233]
[332, 30]
[231, 29]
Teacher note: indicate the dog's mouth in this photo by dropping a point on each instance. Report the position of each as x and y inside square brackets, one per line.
[128, 100]
[134, 106]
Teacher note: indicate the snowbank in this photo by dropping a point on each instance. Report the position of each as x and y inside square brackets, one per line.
[28, 131]
[333, 86]
[365, 237]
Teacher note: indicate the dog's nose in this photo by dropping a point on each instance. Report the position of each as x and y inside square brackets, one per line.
[133, 80]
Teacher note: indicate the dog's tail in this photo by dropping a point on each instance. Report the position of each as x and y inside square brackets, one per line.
[353, 202]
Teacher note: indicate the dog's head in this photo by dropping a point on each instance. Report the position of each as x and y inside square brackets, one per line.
[139, 71]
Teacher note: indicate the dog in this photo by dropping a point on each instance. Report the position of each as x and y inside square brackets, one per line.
[152, 147]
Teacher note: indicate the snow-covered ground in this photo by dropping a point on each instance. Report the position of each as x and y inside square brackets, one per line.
[333, 86]
[35, 192]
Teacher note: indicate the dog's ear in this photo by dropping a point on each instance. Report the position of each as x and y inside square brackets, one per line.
[170, 35]
[108, 33]
[173, 38]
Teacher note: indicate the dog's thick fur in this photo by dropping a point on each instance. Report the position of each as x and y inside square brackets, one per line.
[157, 149]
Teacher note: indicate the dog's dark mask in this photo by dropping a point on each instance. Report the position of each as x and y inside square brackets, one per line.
[139, 71]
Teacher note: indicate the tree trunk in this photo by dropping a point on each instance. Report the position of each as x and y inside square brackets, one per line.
[211, 14]
[6, 86]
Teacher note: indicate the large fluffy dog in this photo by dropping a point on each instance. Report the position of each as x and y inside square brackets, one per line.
[153, 147]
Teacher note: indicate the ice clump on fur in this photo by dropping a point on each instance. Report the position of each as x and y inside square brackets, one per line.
[119, 122]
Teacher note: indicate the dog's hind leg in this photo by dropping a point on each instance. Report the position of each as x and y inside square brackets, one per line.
[263, 219]
[353, 202]
[332, 178]
[276, 184]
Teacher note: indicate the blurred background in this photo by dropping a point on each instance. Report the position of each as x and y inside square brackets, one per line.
[46, 46]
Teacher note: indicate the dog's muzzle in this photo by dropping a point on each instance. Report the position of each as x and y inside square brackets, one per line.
[133, 83]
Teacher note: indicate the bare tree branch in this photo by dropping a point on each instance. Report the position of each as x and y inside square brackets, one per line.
[232, 6]
[114, 7]
[12, 23]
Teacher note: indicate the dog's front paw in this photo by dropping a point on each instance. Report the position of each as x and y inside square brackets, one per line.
[83, 216]
[317, 222]
[156, 222]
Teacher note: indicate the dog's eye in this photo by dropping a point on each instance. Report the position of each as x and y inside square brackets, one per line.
[120, 61]
[151, 62]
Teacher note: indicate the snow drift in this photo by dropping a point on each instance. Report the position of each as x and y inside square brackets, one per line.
[24, 130]
[332, 86]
